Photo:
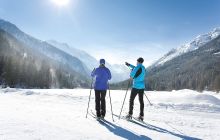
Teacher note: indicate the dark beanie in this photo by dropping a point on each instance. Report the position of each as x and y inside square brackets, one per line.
[140, 60]
[102, 61]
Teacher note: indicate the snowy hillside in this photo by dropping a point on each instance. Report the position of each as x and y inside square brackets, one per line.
[74, 58]
[83, 56]
[191, 46]
[60, 114]
[119, 72]
[42, 47]
[25, 67]
[197, 70]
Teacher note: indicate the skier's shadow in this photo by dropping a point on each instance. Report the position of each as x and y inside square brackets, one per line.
[162, 130]
[119, 131]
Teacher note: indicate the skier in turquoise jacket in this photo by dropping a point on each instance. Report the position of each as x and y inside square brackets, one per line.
[137, 75]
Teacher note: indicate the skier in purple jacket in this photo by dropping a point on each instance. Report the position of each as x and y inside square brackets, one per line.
[102, 74]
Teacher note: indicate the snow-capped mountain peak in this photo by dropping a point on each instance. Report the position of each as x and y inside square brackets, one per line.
[188, 47]
[215, 33]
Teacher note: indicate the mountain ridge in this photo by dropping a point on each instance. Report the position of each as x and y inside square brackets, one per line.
[196, 43]
[44, 47]
[197, 69]
[26, 67]
[119, 72]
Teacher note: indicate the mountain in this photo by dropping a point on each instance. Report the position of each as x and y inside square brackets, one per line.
[119, 72]
[45, 48]
[191, 46]
[195, 65]
[77, 60]
[197, 68]
[87, 59]
[29, 66]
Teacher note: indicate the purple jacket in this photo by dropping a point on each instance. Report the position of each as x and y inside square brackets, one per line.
[102, 75]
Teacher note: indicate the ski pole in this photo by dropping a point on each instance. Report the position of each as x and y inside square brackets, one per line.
[148, 99]
[145, 93]
[124, 99]
[89, 98]
[110, 101]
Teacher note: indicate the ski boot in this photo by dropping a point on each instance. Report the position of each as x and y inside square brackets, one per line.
[102, 117]
[141, 118]
[128, 117]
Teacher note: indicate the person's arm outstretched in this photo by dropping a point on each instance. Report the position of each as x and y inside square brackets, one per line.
[129, 65]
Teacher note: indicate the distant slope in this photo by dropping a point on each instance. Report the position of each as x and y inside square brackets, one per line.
[119, 72]
[87, 59]
[198, 70]
[195, 65]
[23, 66]
[75, 59]
[198, 42]
[45, 48]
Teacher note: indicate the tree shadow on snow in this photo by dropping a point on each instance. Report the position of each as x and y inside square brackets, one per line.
[119, 131]
[162, 130]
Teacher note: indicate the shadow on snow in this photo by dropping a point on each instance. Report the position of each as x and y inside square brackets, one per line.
[119, 131]
[162, 130]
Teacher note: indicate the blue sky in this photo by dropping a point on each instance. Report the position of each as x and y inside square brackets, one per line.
[118, 30]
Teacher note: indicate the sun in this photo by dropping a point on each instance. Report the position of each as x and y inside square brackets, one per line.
[61, 3]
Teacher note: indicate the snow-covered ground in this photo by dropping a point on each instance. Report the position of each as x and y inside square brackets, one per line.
[59, 114]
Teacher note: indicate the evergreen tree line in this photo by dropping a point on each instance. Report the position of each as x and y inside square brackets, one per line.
[23, 67]
[197, 70]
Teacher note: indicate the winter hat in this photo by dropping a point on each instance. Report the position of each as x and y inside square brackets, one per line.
[102, 61]
[140, 60]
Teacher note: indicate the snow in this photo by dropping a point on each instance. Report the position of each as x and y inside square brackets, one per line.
[54, 114]
[191, 46]
[217, 53]
[81, 61]
[43, 48]
[25, 55]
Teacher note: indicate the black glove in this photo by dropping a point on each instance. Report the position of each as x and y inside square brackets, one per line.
[126, 63]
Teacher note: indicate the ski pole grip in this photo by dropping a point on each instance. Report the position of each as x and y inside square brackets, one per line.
[127, 64]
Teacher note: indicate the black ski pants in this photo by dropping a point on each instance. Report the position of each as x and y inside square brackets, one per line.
[100, 104]
[134, 93]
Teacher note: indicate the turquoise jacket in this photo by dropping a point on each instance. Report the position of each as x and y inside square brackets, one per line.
[138, 74]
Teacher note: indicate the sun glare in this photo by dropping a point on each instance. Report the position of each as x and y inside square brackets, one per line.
[61, 2]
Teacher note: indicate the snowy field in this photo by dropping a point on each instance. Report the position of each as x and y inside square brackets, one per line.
[59, 114]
